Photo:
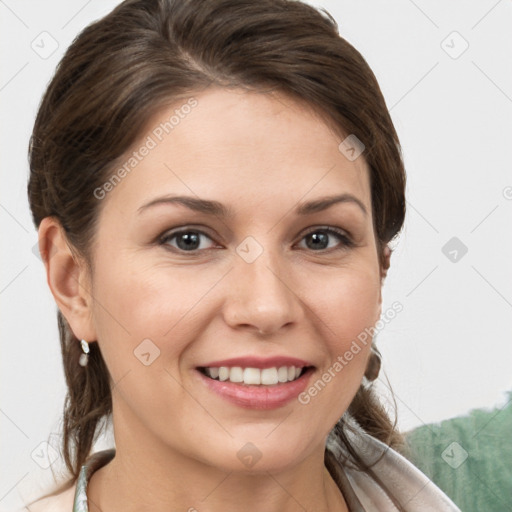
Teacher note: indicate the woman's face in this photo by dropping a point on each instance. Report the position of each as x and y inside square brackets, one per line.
[267, 276]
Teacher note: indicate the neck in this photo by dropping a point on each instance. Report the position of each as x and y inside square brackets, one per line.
[147, 476]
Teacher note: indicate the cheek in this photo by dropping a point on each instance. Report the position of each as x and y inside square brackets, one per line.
[134, 305]
[349, 302]
[348, 309]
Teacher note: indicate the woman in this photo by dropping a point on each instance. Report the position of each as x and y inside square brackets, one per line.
[215, 185]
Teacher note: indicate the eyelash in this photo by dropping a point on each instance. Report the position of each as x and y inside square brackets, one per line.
[347, 242]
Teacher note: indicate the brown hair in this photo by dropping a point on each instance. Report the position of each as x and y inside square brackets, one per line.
[144, 55]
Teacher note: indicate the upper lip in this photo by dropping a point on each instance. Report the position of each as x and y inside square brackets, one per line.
[258, 362]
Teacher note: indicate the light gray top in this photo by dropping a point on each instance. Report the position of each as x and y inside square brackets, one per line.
[393, 484]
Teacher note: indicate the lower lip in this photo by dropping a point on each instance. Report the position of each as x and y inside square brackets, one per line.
[258, 397]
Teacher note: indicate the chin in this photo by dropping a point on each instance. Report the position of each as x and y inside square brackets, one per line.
[260, 454]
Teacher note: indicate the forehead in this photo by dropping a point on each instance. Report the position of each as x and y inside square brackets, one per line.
[243, 148]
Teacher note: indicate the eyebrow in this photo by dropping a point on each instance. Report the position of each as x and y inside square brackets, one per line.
[210, 207]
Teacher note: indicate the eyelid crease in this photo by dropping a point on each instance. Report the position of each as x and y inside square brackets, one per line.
[344, 237]
[167, 235]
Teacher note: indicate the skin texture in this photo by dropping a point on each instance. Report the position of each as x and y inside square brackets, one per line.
[261, 155]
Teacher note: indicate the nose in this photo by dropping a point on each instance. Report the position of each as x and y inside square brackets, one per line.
[261, 296]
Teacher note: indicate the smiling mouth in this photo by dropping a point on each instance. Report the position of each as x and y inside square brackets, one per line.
[254, 376]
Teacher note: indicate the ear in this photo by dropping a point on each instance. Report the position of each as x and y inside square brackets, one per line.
[387, 263]
[383, 273]
[68, 279]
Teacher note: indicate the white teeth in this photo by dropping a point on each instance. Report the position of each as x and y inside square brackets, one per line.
[269, 376]
[252, 376]
[282, 374]
[255, 376]
[236, 374]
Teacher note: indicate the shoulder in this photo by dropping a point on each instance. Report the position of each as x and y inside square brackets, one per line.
[72, 495]
[392, 481]
[60, 501]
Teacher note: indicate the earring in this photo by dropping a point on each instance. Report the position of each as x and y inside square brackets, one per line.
[373, 366]
[84, 358]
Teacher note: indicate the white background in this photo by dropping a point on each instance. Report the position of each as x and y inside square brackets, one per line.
[450, 348]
